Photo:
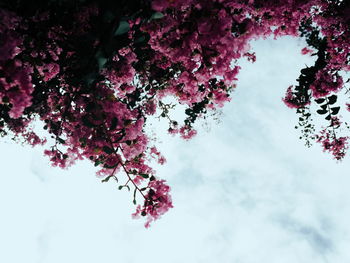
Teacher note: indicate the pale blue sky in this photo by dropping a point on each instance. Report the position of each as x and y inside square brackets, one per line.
[247, 191]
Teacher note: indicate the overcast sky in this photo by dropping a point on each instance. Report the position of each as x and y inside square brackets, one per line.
[245, 190]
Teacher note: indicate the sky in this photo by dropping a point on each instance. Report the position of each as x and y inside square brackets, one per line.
[245, 189]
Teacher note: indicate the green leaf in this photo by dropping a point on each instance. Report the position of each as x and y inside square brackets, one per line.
[335, 110]
[321, 112]
[101, 62]
[328, 117]
[157, 15]
[87, 122]
[61, 140]
[101, 59]
[127, 122]
[123, 28]
[98, 162]
[120, 187]
[144, 175]
[110, 166]
[134, 201]
[82, 142]
[114, 123]
[107, 150]
[107, 179]
[332, 99]
[90, 78]
[140, 39]
[135, 195]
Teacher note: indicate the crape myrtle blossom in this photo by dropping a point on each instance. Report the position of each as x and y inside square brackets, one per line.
[306, 51]
[157, 202]
[293, 101]
[94, 72]
[332, 144]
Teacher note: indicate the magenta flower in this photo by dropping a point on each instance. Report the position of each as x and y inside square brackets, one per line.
[157, 202]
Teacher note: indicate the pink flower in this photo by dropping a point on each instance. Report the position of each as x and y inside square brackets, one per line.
[154, 153]
[158, 202]
[220, 97]
[138, 180]
[33, 139]
[17, 87]
[292, 100]
[150, 107]
[306, 51]
[187, 132]
[250, 56]
[231, 75]
[336, 146]
[325, 83]
[348, 106]
[48, 71]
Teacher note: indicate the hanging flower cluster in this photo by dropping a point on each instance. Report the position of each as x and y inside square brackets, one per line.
[94, 71]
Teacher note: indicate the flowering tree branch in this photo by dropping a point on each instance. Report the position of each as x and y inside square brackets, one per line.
[94, 71]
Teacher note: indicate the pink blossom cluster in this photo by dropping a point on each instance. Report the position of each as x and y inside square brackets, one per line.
[205, 37]
[292, 101]
[15, 76]
[94, 89]
[336, 146]
[326, 83]
[157, 202]
[156, 154]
